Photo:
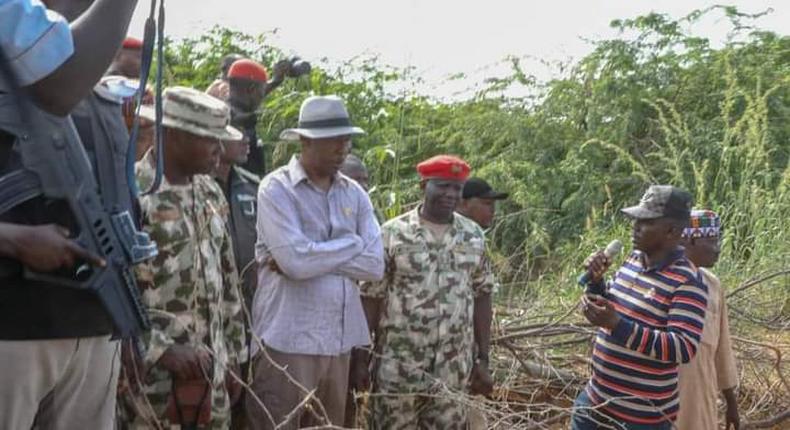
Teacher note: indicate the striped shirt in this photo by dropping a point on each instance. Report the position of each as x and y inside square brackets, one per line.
[662, 313]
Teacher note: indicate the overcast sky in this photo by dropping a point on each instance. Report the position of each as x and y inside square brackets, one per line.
[440, 37]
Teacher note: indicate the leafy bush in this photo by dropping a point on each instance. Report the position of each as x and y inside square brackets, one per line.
[655, 105]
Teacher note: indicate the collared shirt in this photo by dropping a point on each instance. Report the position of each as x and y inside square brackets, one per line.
[35, 40]
[429, 289]
[662, 315]
[191, 288]
[323, 242]
[715, 361]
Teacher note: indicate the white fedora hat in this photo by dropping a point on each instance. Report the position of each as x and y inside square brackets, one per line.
[195, 112]
[322, 117]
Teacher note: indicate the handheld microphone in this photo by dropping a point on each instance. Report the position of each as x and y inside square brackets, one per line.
[612, 249]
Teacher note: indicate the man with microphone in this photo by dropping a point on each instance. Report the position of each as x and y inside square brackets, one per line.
[651, 317]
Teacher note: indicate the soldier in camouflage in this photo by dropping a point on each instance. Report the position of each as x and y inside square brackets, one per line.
[192, 288]
[422, 313]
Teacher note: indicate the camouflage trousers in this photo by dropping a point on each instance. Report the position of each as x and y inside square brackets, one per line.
[391, 411]
[415, 391]
[149, 411]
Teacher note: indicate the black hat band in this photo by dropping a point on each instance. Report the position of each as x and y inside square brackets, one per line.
[326, 123]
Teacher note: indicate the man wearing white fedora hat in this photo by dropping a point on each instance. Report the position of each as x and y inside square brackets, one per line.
[192, 288]
[317, 236]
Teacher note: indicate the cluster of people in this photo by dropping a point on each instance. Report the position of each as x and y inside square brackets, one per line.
[275, 298]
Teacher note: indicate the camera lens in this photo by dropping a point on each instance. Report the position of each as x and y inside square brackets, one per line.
[299, 68]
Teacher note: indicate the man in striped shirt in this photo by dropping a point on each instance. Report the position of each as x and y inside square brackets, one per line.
[651, 319]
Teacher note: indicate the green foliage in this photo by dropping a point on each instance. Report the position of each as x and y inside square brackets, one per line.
[655, 105]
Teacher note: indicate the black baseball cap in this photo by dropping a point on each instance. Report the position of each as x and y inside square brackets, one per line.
[662, 201]
[476, 187]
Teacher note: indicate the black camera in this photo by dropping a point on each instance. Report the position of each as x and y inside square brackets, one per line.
[297, 67]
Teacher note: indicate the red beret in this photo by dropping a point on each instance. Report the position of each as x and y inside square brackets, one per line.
[248, 69]
[132, 43]
[444, 167]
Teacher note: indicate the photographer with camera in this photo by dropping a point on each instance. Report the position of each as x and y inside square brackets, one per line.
[60, 367]
[248, 85]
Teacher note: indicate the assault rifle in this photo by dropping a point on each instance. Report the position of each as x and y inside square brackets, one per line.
[52, 163]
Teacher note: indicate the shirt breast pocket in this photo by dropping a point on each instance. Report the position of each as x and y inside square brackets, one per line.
[171, 237]
[168, 229]
[467, 256]
[411, 260]
[248, 205]
[312, 224]
[218, 230]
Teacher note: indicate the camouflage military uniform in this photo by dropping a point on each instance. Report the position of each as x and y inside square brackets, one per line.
[426, 336]
[191, 289]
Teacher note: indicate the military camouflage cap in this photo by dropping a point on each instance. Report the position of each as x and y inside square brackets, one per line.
[662, 201]
[195, 112]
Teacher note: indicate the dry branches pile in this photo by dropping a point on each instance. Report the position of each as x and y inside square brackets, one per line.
[541, 361]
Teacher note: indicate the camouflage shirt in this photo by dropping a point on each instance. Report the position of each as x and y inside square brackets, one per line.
[191, 289]
[429, 287]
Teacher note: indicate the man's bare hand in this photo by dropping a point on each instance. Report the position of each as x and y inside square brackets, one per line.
[281, 68]
[186, 362]
[597, 264]
[481, 382]
[599, 312]
[359, 376]
[45, 248]
[733, 418]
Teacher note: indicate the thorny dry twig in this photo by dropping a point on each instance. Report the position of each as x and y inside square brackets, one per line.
[547, 345]
[541, 366]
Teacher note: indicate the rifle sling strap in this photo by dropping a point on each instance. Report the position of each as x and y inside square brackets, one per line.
[18, 187]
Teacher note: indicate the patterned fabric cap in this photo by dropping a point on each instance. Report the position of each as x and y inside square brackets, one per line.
[703, 223]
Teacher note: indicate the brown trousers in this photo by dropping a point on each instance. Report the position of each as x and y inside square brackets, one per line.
[327, 376]
[62, 384]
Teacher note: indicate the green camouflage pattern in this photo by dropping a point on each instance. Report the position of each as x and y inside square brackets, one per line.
[191, 289]
[426, 336]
